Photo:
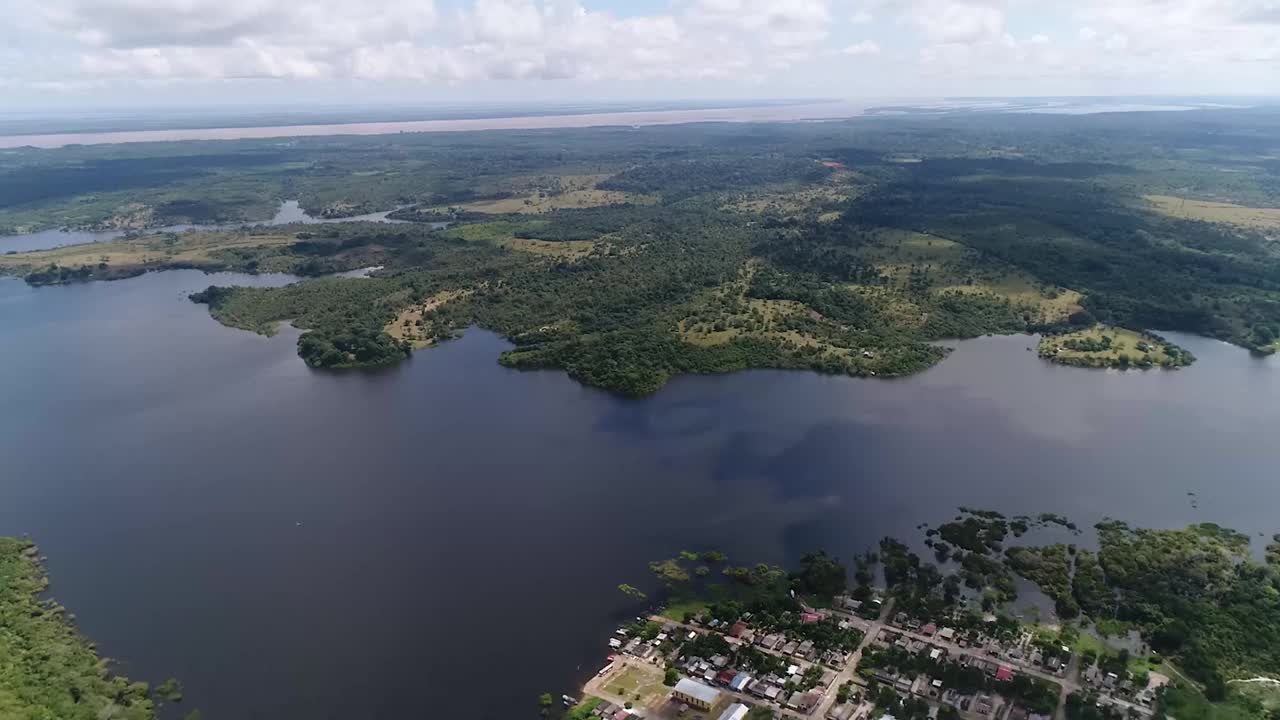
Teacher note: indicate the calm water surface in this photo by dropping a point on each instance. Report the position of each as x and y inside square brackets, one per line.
[444, 538]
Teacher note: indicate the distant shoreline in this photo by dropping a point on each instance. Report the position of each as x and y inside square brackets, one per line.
[832, 110]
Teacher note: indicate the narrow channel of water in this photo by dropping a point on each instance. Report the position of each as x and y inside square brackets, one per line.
[289, 212]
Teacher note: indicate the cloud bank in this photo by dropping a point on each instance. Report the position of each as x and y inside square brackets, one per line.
[818, 47]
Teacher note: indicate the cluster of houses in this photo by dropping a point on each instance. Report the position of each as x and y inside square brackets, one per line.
[1020, 650]
[983, 704]
[779, 688]
[770, 687]
[1113, 689]
[780, 644]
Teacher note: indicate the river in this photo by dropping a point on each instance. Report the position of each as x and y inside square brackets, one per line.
[444, 538]
[289, 212]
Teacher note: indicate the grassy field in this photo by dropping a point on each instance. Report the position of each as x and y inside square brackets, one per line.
[913, 261]
[792, 201]
[727, 314]
[641, 685]
[502, 232]
[191, 247]
[682, 610]
[1104, 346]
[564, 249]
[1219, 212]
[544, 194]
[582, 711]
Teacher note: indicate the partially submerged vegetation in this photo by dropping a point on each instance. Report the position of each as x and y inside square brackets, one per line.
[1206, 611]
[625, 257]
[47, 669]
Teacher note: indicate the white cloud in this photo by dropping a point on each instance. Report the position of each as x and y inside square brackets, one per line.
[781, 23]
[936, 46]
[952, 21]
[1117, 41]
[866, 47]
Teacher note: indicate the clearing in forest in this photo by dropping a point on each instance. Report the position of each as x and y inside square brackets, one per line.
[504, 233]
[1218, 212]
[558, 192]
[409, 324]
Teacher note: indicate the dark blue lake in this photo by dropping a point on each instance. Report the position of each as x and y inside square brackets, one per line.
[444, 538]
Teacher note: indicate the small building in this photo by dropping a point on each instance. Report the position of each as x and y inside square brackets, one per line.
[929, 629]
[790, 647]
[740, 682]
[737, 629]
[695, 694]
[1004, 673]
[842, 712]
[804, 649]
[947, 634]
[806, 702]
[809, 618]
[935, 654]
[736, 711]
[726, 677]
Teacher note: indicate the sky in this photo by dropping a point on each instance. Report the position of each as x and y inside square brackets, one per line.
[137, 53]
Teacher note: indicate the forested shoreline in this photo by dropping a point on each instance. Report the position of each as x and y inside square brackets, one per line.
[628, 256]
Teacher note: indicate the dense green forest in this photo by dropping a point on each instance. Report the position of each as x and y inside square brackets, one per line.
[627, 255]
[47, 670]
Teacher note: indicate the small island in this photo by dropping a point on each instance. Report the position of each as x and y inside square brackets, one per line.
[1102, 346]
[937, 638]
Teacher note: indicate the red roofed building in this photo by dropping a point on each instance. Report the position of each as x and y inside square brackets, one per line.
[726, 676]
[929, 629]
[1004, 673]
[737, 629]
[808, 618]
